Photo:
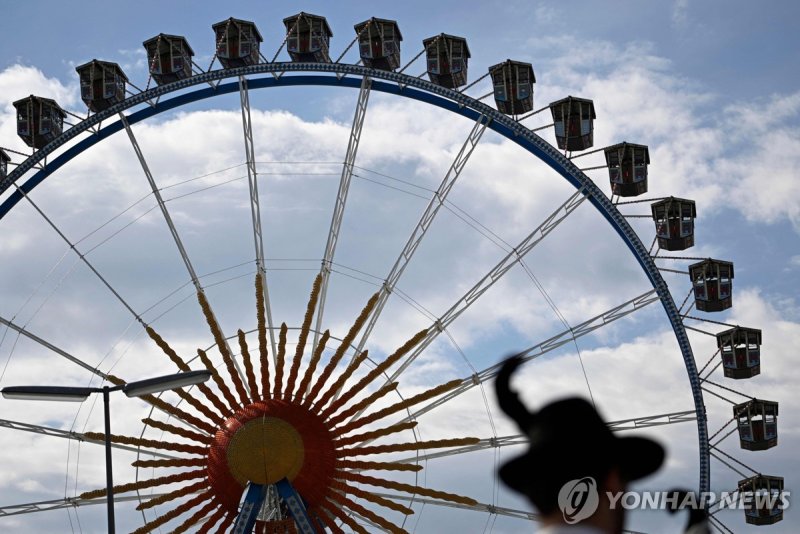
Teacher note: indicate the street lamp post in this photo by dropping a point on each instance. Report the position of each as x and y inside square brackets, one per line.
[132, 389]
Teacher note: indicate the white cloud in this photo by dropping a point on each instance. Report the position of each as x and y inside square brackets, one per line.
[680, 10]
[20, 81]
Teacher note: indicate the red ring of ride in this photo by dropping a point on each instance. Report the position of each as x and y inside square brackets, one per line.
[313, 479]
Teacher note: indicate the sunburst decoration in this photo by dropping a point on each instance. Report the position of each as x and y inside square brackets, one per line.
[282, 429]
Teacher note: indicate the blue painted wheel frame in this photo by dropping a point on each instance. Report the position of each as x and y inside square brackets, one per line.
[342, 75]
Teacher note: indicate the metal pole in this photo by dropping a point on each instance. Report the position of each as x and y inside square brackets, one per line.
[109, 477]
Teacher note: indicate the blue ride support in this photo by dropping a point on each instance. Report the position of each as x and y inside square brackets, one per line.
[250, 508]
[297, 508]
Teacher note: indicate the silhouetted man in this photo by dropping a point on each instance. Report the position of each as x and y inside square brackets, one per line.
[573, 461]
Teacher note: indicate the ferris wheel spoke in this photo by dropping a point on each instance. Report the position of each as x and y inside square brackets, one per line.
[478, 507]
[58, 504]
[424, 223]
[81, 255]
[483, 444]
[552, 343]
[341, 199]
[653, 420]
[64, 354]
[75, 436]
[499, 270]
[74, 359]
[207, 310]
[157, 194]
[255, 205]
[622, 425]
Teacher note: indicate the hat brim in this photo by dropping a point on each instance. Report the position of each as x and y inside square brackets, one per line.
[635, 457]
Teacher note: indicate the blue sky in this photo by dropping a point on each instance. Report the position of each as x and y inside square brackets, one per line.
[712, 87]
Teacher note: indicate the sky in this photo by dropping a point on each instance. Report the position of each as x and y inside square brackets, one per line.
[712, 88]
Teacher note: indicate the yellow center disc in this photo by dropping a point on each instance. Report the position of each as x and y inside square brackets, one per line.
[264, 451]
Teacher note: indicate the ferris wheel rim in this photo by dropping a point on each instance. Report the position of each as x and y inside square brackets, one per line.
[391, 83]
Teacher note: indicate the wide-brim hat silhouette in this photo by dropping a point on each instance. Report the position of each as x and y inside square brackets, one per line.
[568, 440]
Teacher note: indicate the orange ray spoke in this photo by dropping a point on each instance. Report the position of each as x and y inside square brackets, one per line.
[334, 509]
[280, 361]
[376, 466]
[262, 335]
[144, 484]
[248, 367]
[197, 516]
[407, 488]
[362, 404]
[173, 356]
[377, 371]
[361, 494]
[402, 405]
[149, 443]
[175, 512]
[364, 512]
[180, 414]
[169, 351]
[200, 407]
[327, 518]
[172, 462]
[413, 446]
[328, 395]
[312, 366]
[171, 496]
[222, 345]
[177, 431]
[372, 434]
[223, 387]
[226, 522]
[212, 521]
[301, 343]
[169, 408]
[340, 352]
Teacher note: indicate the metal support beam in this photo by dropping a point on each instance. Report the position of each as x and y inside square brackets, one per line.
[271, 507]
[73, 359]
[521, 439]
[511, 259]
[653, 420]
[479, 507]
[178, 243]
[82, 256]
[64, 354]
[341, 198]
[157, 194]
[76, 436]
[255, 206]
[424, 223]
[559, 340]
[297, 508]
[246, 520]
[68, 502]
[487, 443]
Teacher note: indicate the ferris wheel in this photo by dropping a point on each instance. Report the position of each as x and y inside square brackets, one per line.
[302, 428]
